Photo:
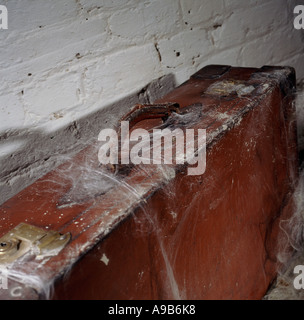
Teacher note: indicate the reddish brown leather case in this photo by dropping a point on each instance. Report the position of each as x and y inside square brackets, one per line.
[163, 234]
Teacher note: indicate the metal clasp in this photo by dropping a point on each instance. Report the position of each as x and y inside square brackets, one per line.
[26, 238]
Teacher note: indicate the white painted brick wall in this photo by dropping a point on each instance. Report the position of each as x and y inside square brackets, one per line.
[70, 67]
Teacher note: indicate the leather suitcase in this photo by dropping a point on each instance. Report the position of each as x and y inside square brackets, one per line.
[154, 231]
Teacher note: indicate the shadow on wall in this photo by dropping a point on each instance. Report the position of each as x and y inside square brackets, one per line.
[27, 154]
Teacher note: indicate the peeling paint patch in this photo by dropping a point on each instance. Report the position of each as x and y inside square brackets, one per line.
[228, 87]
[173, 214]
[105, 259]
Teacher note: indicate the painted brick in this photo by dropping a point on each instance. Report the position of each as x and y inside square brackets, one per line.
[183, 50]
[27, 15]
[122, 72]
[241, 28]
[196, 12]
[59, 39]
[156, 19]
[51, 94]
